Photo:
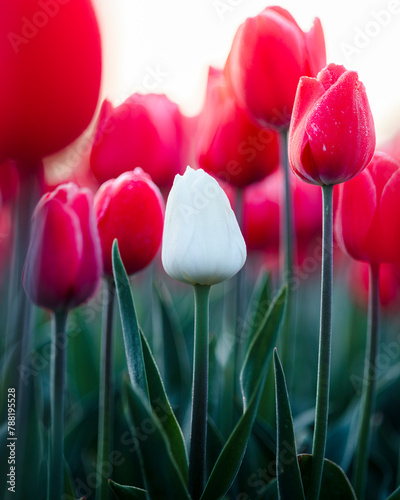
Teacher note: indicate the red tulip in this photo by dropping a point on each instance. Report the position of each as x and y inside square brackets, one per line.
[131, 209]
[145, 131]
[367, 209]
[268, 56]
[332, 134]
[63, 264]
[229, 146]
[50, 59]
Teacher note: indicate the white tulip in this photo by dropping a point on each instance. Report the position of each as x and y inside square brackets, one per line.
[202, 242]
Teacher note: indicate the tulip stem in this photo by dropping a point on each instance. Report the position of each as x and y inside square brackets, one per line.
[198, 432]
[55, 479]
[239, 296]
[106, 397]
[369, 382]
[287, 238]
[324, 356]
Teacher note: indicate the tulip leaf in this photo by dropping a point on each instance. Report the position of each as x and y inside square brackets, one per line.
[288, 471]
[162, 477]
[253, 376]
[130, 328]
[270, 491]
[162, 409]
[259, 304]
[178, 376]
[122, 492]
[261, 346]
[68, 483]
[395, 495]
[335, 484]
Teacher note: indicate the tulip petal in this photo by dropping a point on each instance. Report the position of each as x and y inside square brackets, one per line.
[202, 242]
[340, 130]
[357, 204]
[56, 239]
[315, 46]
[390, 215]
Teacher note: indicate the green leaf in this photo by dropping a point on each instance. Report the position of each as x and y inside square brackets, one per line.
[395, 495]
[260, 349]
[252, 380]
[130, 328]
[162, 409]
[142, 368]
[335, 484]
[288, 472]
[177, 375]
[270, 492]
[68, 482]
[259, 303]
[162, 476]
[126, 492]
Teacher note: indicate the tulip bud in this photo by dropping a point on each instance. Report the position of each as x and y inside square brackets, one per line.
[332, 134]
[202, 242]
[269, 54]
[130, 209]
[63, 263]
[229, 146]
[145, 130]
[365, 221]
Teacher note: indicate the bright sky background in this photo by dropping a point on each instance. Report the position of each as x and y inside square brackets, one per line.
[167, 45]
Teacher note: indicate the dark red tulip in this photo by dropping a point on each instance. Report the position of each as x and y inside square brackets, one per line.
[131, 209]
[63, 265]
[269, 54]
[50, 59]
[332, 133]
[366, 219]
[228, 145]
[145, 131]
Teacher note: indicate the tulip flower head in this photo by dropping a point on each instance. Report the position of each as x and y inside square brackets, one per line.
[202, 242]
[229, 145]
[63, 264]
[269, 54]
[145, 130]
[51, 54]
[367, 217]
[130, 208]
[332, 133]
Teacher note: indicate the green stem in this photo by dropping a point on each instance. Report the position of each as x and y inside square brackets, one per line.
[198, 433]
[55, 480]
[239, 295]
[368, 394]
[106, 396]
[324, 357]
[288, 242]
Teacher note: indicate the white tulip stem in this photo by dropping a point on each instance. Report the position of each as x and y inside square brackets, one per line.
[198, 433]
